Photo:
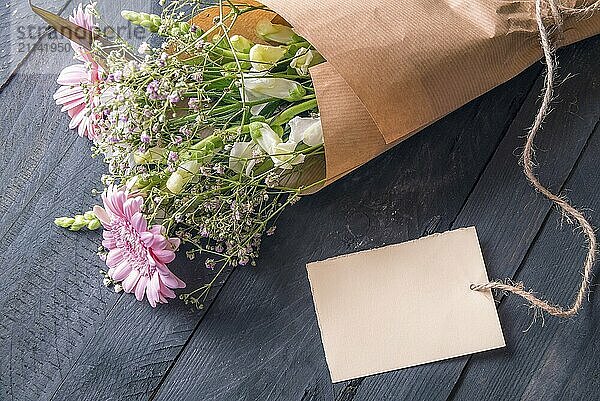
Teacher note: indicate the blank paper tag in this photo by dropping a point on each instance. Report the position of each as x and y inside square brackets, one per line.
[404, 305]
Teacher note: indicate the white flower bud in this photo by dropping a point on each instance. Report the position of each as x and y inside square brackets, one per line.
[280, 88]
[304, 59]
[242, 157]
[282, 154]
[241, 44]
[94, 225]
[79, 223]
[179, 179]
[64, 222]
[277, 33]
[307, 130]
[264, 136]
[152, 155]
[263, 57]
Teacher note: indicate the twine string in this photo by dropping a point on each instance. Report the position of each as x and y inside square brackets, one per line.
[574, 216]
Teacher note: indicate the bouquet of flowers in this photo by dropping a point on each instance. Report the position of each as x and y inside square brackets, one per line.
[206, 138]
[242, 108]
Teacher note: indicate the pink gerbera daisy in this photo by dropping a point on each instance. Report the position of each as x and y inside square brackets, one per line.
[138, 254]
[73, 79]
[73, 99]
[83, 17]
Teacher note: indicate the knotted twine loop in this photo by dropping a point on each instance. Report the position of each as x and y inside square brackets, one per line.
[528, 165]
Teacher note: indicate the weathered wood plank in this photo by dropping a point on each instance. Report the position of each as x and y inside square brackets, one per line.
[51, 299]
[508, 215]
[557, 360]
[27, 128]
[260, 338]
[50, 295]
[20, 29]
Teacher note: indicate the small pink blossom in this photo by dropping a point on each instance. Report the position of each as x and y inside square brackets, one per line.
[138, 254]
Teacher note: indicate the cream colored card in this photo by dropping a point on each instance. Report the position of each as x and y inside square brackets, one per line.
[404, 305]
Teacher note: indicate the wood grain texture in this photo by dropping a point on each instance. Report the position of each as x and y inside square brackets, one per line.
[508, 214]
[559, 359]
[20, 29]
[260, 339]
[52, 298]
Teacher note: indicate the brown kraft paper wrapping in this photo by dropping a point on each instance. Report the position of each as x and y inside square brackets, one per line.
[395, 67]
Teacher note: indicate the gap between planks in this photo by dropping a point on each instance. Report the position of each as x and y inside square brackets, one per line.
[502, 297]
[350, 390]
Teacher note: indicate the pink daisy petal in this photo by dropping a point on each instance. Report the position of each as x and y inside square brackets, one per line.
[140, 287]
[82, 18]
[133, 206]
[147, 238]
[70, 101]
[164, 271]
[114, 257]
[73, 75]
[90, 130]
[76, 110]
[76, 120]
[119, 198]
[64, 91]
[139, 222]
[166, 291]
[131, 280]
[160, 242]
[157, 229]
[70, 98]
[102, 215]
[82, 129]
[122, 270]
[109, 243]
[85, 19]
[172, 281]
[68, 106]
[152, 290]
[71, 79]
[109, 204]
[164, 256]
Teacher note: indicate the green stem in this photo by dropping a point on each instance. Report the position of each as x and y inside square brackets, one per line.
[292, 112]
[208, 144]
[230, 54]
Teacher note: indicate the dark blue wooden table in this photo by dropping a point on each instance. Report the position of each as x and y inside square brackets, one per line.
[63, 336]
